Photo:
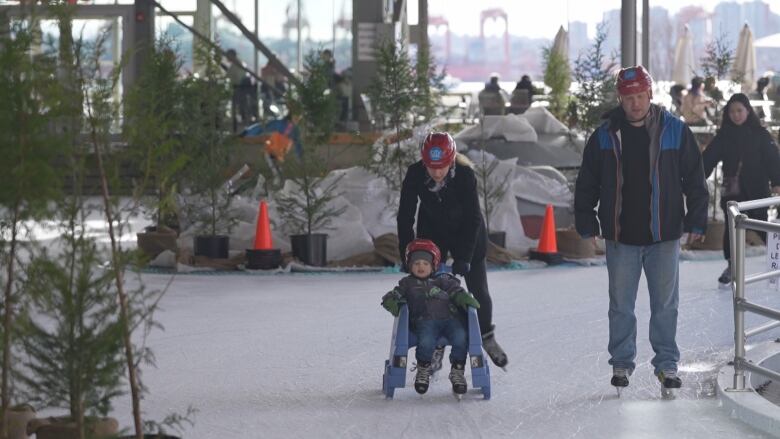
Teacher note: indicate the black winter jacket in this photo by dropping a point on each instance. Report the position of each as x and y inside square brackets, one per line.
[675, 170]
[451, 217]
[759, 154]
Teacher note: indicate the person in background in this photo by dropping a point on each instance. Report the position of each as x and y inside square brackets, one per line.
[695, 104]
[751, 163]
[522, 96]
[492, 99]
[641, 169]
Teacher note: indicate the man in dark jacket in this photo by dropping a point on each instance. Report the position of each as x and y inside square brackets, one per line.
[449, 215]
[640, 167]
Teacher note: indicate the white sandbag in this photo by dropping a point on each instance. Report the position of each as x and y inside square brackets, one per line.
[543, 122]
[370, 194]
[512, 128]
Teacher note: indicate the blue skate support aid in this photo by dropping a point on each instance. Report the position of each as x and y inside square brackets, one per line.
[395, 366]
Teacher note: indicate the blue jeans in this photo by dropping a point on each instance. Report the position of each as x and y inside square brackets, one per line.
[625, 264]
[429, 331]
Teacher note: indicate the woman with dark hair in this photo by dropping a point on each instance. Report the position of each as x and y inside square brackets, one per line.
[751, 161]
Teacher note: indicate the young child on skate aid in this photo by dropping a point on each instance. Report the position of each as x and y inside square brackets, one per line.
[436, 305]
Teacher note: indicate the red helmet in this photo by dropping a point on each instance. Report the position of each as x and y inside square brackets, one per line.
[631, 80]
[425, 245]
[438, 150]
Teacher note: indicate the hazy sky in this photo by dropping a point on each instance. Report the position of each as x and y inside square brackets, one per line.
[533, 18]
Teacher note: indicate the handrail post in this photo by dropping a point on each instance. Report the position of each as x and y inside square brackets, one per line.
[738, 288]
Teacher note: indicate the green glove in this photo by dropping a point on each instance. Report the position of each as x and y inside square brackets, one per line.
[464, 299]
[392, 302]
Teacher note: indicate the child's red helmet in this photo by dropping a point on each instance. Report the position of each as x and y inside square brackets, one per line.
[425, 245]
[632, 80]
[438, 150]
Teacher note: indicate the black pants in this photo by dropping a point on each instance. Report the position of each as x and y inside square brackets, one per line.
[757, 214]
[476, 281]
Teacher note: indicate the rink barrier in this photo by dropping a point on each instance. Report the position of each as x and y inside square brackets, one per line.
[739, 223]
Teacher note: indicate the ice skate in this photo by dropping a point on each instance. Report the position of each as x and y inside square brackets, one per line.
[438, 354]
[724, 280]
[620, 379]
[423, 377]
[494, 351]
[458, 380]
[670, 382]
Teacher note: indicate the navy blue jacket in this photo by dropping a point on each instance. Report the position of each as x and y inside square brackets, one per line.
[676, 177]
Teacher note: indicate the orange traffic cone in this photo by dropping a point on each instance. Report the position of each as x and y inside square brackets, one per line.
[547, 250]
[263, 256]
[263, 230]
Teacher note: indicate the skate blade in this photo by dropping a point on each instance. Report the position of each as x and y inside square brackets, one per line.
[619, 391]
[668, 394]
[458, 396]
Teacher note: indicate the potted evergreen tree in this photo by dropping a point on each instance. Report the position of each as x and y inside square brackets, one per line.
[155, 115]
[33, 102]
[74, 345]
[209, 140]
[594, 72]
[304, 203]
[557, 76]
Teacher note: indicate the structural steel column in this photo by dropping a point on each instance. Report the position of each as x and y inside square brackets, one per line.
[201, 23]
[628, 33]
[422, 23]
[646, 34]
[143, 35]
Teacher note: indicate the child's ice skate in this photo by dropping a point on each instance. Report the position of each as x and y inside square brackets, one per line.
[724, 281]
[423, 377]
[458, 380]
[670, 382]
[438, 354]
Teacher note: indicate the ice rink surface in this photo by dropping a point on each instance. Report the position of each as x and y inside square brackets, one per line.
[301, 356]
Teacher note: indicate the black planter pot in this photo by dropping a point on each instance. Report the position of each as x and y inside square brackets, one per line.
[498, 238]
[310, 249]
[214, 247]
[263, 259]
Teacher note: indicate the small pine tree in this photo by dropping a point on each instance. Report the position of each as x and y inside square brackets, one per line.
[393, 95]
[155, 118]
[74, 346]
[306, 205]
[429, 87]
[594, 73]
[557, 76]
[718, 57]
[491, 188]
[206, 135]
[33, 101]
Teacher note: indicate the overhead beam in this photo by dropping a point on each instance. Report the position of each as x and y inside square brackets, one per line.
[272, 59]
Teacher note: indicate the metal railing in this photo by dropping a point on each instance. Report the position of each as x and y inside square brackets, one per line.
[739, 223]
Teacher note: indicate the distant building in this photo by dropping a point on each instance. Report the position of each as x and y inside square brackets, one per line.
[661, 45]
[578, 39]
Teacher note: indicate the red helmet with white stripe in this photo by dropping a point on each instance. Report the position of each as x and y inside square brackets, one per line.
[438, 150]
[425, 245]
[632, 80]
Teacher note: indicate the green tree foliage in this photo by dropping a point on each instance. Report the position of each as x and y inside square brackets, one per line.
[209, 141]
[557, 76]
[393, 96]
[306, 203]
[74, 346]
[718, 57]
[594, 72]
[32, 104]
[155, 123]
[429, 86]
